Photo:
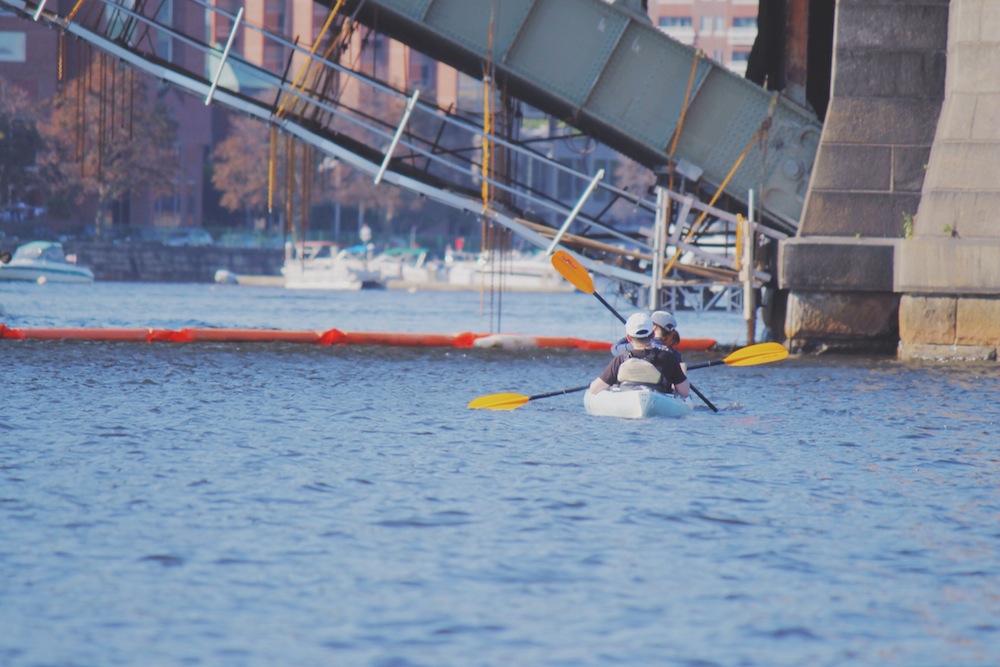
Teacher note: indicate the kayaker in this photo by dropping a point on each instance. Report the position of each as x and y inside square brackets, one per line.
[643, 363]
[664, 335]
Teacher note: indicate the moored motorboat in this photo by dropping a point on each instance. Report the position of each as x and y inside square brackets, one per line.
[325, 265]
[407, 267]
[42, 262]
[635, 402]
[513, 271]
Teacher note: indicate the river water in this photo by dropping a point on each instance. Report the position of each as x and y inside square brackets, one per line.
[281, 504]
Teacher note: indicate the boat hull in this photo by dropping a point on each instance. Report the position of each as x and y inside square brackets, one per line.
[43, 272]
[635, 403]
[322, 265]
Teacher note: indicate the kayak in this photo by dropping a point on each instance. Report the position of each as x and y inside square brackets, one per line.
[635, 403]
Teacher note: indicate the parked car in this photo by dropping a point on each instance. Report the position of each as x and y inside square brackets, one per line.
[189, 237]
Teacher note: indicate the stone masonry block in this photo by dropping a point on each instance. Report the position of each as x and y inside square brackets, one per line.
[872, 120]
[892, 26]
[983, 226]
[832, 316]
[964, 165]
[958, 112]
[869, 3]
[930, 352]
[845, 213]
[986, 122]
[965, 21]
[957, 213]
[978, 321]
[927, 319]
[900, 74]
[948, 266]
[973, 67]
[989, 20]
[808, 263]
[852, 167]
[909, 167]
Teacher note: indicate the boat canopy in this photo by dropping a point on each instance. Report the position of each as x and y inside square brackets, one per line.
[47, 250]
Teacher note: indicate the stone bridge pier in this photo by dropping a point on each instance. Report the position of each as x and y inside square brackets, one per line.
[899, 243]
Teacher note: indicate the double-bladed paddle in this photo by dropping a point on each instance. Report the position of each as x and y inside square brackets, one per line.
[579, 277]
[514, 401]
[752, 355]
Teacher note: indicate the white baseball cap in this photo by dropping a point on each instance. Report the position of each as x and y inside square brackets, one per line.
[639, 325]
[664, 319]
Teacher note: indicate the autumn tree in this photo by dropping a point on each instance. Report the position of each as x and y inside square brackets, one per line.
[241, 164]
[107, 137]
[20, 142]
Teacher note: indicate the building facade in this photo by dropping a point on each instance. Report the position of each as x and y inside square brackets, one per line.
[723, 29]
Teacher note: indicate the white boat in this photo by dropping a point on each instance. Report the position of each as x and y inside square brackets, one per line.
[44, 262]
[408, 266]
[635, 402]
[514, 271]
[325, 265]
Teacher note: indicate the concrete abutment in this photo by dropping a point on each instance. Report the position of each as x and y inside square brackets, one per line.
[899, 242]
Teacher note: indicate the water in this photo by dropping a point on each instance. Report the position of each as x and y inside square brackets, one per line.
[222, 504]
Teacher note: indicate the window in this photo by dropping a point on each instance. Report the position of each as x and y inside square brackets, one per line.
[164, 42]
[13, 47]
[744, 22]
[470, 94]
[674, 22]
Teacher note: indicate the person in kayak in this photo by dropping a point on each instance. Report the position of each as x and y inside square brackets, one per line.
[643, 363]
[665, 335]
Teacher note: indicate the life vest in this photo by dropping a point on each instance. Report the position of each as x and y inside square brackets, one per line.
[638, 371]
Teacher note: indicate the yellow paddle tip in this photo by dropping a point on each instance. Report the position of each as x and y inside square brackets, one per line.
[760, 353]
[573, 271]
[498, 402]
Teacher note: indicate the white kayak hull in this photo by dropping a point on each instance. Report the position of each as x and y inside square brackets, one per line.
[635, 403]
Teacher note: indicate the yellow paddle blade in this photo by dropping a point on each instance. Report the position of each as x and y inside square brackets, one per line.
[761, 353]
[573, 271]
[498, 402]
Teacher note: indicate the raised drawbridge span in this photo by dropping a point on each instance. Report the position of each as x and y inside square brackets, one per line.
[589, 63]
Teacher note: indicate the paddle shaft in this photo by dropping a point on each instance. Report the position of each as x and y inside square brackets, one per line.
[706, 364]
[557, 393]
[703, 397]
[609, 307]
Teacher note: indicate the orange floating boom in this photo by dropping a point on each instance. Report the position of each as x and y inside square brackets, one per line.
[328, 337]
